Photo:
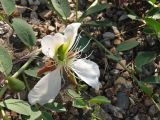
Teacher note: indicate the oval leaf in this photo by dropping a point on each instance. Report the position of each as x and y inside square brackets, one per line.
[145, 89]
[16, 105]
[152, 80]
[32, 72]
[100, 100]
[153, 24]
[73, 94]
[94, 8]
[62, 7]
[5, 61]
[144, 58]
[47, 116]
[127, 45]
[79, 103]
[24, 31]
[8, 6]
[15, 84]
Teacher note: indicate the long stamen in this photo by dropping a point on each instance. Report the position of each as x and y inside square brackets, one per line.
[76, 42]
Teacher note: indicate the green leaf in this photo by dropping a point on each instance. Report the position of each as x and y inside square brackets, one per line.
[73, 94]
[148, 30]
[55, 107]
[62, 7]
[47, 116]
[100, 100]
[24, 32]
[152, 80]
[34, 114]
[145, 89]
[154, 13]
[153, 24]
[152, 1]
[79, 103]
[32, 72]
[8, 6]
[94, 8]
[105, 23]
[16, 105]
[5, 61]
[127, 45]
[15, 84]
[144, 58]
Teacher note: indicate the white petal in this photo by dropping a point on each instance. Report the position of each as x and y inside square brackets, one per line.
[87, 71]
[51, 43]
[71, 32]
[46, 89]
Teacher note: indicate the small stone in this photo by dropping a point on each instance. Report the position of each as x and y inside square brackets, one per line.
[74, 111]
[103, 115]
[118, 66]
[51, 28]
[1, 31]
[116, 111]
[24, 2]
[33, 15]
[148, 102]
[34, 2]
[108, 35]
[108, 43]
[122, 84]
[122, 100]
[115, 72]
[152, 110]
[46, 14]
[117, 41]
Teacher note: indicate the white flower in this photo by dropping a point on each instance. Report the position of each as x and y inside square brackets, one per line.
[62, 49]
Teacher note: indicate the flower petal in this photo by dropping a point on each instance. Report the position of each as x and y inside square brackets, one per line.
[71, 32]
[51, 43]
[46, 89]
[87, 71]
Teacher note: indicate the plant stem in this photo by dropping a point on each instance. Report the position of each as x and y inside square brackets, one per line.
[26, 83]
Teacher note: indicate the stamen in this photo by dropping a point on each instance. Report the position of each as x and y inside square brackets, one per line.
[76, 42]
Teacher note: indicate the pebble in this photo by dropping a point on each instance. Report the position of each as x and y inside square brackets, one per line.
[103, 115]
[46, 14]
[119, 67]
[115, 72]
[33, 15]
[51, 28]
[34, 2]
[108, 43]
[117, 41]
[108, 35]
[116, 111]
[122, 84]
[122, 100]
[148, 102]
[152, 110]
[24, 2]
[1, 31]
